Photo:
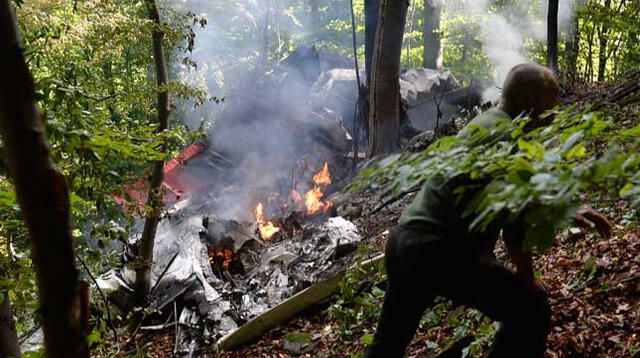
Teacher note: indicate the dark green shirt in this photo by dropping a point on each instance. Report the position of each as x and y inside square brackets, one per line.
[438, 211]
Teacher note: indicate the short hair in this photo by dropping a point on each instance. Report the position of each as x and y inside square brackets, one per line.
[525, 79]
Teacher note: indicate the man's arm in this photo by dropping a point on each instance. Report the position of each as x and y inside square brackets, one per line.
[524, 267]
[523, 261]
[513, 237]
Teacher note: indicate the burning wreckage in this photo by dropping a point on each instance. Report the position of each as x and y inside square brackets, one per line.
[249, 221]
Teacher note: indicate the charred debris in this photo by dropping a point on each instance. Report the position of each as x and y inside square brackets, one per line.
[249, 219]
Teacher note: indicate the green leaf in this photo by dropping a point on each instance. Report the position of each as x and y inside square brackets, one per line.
[577, 151]
[572, 140]
[533, 149]
[367, 339]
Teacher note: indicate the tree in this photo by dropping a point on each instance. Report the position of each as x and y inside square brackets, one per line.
[552, 36]
[603, 36]
[315, 19]
[155, 197]
[431, 37]
[264, 40]
[43, 196]
[384, 112]
[572, 47]
[9, 346]
[371, 12]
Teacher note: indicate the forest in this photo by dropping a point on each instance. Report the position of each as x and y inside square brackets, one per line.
[237, 178]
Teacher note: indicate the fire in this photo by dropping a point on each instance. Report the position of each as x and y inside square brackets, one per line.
[323, 177]
[222, 258]
[311, 203]
[267, 228]
[313, 198]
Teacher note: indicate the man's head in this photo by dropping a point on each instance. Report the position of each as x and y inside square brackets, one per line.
[530, 89]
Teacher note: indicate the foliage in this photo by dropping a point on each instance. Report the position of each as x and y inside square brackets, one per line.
[539, 174]
[91, 63]
[608, 33]
[357, 305]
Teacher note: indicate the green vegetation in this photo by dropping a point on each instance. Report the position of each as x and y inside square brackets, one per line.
[93, 67]
[541, 176]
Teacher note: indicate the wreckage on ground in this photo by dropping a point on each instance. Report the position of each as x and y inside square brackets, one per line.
[248, 223]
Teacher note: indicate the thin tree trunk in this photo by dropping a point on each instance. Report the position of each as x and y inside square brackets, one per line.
[589, 61]
[315, 19]
[9, 346]
[384, 113]
[43, 196]
[572, 50]
[552, 36]
[411, 22]
[264, 42]
[155, 201]
[431, 37]
[371, 12]
[603, 36]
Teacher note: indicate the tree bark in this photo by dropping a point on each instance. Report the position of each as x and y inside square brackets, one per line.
[315, 19]
[263, 57]
[371, 12]
[589, 63]
[603, 37]
[9, 346]
[552, 36]
[384, 112]
[43, 196]
[573, 48]
[155, 201]
[431, 38]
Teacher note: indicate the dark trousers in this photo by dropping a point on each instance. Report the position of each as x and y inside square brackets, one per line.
[420, 267]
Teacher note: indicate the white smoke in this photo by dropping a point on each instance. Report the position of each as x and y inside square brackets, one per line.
[504, 32]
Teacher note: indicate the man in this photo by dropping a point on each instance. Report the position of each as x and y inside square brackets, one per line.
[432, 252]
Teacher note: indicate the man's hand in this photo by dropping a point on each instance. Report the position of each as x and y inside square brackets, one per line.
[588, 217]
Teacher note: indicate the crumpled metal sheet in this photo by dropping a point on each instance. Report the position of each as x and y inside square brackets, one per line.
[212, 304]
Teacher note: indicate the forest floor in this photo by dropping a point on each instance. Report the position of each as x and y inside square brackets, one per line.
[593, 285]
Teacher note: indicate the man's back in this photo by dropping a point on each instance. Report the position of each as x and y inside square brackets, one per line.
[438, 210]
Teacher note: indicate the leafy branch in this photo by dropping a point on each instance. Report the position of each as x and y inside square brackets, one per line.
[536, 174]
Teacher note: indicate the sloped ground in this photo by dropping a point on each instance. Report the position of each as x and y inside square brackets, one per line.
[593, 284]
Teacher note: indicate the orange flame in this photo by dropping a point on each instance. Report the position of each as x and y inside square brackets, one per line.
[313, 201]
[313, 198]
[323, 177]
[222, 257]
[267, 228]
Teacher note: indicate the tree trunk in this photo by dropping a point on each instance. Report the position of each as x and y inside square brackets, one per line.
[155, 201]
[431, 37]
[589, 62]
[315, 20]
[384, 113]
[263, 57]
[572, 50]
[552, 36]
[43, 196]
[371, 12]
[603, 36]
[9, 346]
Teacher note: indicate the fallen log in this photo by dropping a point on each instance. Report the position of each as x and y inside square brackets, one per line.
[288, 308]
